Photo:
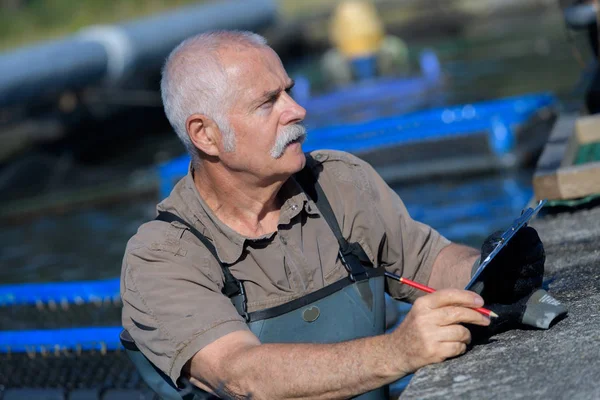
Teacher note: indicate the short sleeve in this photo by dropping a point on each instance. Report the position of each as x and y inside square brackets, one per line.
[172, 300]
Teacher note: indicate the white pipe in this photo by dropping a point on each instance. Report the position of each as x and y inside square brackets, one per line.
[110, 54]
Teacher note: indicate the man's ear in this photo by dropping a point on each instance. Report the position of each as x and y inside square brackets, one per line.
[204, 133]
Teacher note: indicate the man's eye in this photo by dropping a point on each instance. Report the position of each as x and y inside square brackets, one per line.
[269, 102]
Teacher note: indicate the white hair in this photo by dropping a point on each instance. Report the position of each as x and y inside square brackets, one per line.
[288, 134]
[194, 81]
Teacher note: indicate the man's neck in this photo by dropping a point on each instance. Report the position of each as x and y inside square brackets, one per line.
[250, 210]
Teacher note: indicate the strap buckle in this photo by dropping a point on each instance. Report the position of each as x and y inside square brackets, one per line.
[355, 274]
[240, 302]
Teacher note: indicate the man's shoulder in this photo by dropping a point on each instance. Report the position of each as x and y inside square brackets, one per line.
[156, 235]
[329, 157]
[342, 170]
[161, 235]
[169, 247]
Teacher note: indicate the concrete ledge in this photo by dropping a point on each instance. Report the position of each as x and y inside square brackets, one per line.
[559, 363]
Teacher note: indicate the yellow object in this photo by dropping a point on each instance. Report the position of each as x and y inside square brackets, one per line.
[356, 29]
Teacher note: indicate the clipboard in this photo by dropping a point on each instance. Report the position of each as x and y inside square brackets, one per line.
[517, 224]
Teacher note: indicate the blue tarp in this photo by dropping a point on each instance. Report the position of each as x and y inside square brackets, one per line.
[60, 340]
[60, 292]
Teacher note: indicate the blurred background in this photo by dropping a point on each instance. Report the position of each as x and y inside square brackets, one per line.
[451, 100]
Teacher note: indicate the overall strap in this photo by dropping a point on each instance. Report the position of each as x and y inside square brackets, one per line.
[232, 288]
[351, 254]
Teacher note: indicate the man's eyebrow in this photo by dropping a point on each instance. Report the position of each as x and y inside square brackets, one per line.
[268, 95]
[271, 94]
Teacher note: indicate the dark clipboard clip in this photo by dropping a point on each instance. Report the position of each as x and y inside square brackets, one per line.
[518, 223]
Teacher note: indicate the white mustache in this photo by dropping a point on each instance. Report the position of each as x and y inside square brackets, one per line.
[288, 135]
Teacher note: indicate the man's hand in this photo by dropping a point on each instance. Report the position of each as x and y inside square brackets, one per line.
[431, 332]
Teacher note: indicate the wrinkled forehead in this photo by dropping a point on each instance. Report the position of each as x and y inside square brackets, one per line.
[253, 71]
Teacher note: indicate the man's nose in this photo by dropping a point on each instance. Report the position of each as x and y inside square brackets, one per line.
[294, 112]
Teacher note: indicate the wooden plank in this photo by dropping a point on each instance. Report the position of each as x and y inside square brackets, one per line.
[546, 186]
[579, 180]
[556, 178]
[588, 129]
[545, 179]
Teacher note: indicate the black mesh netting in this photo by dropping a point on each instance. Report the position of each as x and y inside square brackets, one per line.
[95, 373]
[85, 370]
[56, 316]
[82, 375]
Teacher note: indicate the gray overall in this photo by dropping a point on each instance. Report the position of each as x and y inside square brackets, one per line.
[351, 308]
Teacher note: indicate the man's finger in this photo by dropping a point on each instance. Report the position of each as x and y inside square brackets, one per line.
[452, 315]
[450, 297]
[453, 349]
[454, 333]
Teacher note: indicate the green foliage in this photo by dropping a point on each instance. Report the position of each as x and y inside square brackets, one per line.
[37, 20]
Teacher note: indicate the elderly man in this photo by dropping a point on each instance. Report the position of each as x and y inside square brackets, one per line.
[262, 275]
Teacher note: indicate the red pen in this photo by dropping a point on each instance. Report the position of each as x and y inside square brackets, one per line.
[427, 289]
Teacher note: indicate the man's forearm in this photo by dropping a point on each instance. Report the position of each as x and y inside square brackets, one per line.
[316, 371]
[452, 267]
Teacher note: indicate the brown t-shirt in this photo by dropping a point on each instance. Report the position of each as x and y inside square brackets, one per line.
[171, 284]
